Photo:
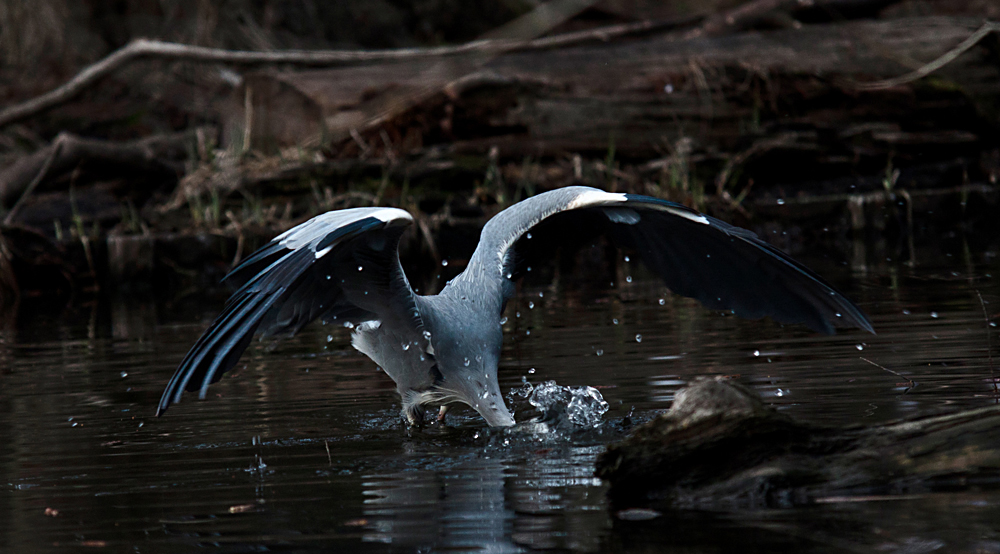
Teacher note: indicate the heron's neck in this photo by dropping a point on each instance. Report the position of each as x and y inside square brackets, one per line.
[478, 288]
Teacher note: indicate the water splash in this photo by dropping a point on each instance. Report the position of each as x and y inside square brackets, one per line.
[564, 407]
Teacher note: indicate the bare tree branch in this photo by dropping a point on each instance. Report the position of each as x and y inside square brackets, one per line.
[154, 153]
[945, 59]
[144, 48]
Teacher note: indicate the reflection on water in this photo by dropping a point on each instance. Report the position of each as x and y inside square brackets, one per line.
[303, 449]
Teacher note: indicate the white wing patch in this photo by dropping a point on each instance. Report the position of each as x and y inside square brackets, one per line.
[595, 198]
[389, 214]
[321, 225]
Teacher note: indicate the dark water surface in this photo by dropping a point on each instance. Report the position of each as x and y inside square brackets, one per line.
[304, 449]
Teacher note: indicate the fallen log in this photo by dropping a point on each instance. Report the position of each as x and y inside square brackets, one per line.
[721, 448]
[158, 153]
[638, 95]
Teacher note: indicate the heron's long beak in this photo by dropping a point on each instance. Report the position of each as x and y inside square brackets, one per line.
[489, 403]
[496, 415]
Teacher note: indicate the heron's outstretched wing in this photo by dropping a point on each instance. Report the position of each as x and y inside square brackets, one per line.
[722, 266]
[342, 265]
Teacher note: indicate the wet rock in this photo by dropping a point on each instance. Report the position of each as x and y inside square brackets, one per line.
[720, 447]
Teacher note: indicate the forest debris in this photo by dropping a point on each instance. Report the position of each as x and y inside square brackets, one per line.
[145, 49]
[948, 57]
[42, 172]
[720, 447]
[517, 36]
[157, 153]
[639, 94]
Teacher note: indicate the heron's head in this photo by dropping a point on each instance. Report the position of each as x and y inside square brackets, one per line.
[467, 373]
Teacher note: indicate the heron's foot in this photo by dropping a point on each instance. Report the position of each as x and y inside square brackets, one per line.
[414, 416]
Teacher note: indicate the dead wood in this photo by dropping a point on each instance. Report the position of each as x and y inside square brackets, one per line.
[721, 447]
[640, 95]
[519, 35]
[945, 59]
[145, 48]
[158, 153]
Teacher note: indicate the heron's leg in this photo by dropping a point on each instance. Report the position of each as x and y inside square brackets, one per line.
[442, 412]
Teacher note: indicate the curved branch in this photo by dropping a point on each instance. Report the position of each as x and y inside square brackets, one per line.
[145, 48]
[943, 60]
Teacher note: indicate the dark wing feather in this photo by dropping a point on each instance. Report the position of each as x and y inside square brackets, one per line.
[309, 272]
[722, 266]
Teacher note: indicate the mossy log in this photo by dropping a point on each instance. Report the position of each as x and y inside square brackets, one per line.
[721, 448]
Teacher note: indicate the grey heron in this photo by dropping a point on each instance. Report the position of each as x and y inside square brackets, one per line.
[440, 349]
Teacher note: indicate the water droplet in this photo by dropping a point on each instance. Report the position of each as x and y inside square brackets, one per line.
[708, 255]
[600, 352]
[541, 295]
[327, 277]
[615, 321]
[838, 315]
[934, 315]
[517, 314]
[406, 346]
[779, 392]
[360, 268]
[529, 268]
[638, 338]
[662, 301]
[859, 346]
[503, 320]
[427, 335]
[444, 263]
[668, 88]
[628, 278]
[528, 332]
[484, 395]
[528, 235]
[349, 325]
[531, 370]
[509, 276]
[756, 352]
[329, 338]
[476, 436]
[626, 259]
[781, 201]
[124, 374]
[531, 305]
[466, 362]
